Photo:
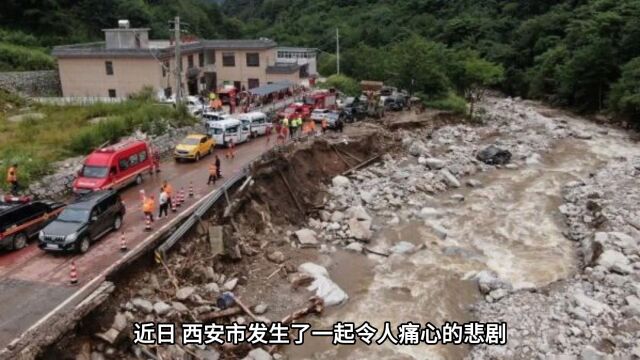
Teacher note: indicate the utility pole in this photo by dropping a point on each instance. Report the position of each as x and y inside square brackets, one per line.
[176, 28]
[338, 50]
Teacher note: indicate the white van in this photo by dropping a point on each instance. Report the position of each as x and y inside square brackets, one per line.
[257, 122]
[223, 131]
[210, 115]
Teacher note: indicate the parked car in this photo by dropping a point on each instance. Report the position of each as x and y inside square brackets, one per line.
[354, 110]
[256, 121]
[83, 221]
[193, 103]
[227, 130]
[318, 114]
[115, 166]
[21, 219]
[395, 103]
[193, 147]
[210, 115]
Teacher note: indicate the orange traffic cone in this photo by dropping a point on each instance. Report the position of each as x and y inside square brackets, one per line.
[191, 189]
[123, 243]
[147, 223]
[73, 274]
[181, 196]
[173, 205]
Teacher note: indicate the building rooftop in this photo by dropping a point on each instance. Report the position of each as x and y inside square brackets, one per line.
[159, 48]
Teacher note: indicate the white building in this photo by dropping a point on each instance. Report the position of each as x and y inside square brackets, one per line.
[303, 57]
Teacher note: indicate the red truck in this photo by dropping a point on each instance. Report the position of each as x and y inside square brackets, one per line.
[321, 99]
[293, 110]
[116, 166]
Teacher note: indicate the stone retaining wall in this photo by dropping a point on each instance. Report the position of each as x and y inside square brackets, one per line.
[32, 83]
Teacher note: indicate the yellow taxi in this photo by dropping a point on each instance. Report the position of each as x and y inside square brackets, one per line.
[193, 147]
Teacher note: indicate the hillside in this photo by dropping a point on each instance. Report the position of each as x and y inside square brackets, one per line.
[29, 29]
[581, 54]
[569, 52]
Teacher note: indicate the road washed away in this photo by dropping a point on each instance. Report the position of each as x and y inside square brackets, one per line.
[547, 243]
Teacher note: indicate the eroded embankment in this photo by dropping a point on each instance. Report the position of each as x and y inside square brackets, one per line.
[260, 255]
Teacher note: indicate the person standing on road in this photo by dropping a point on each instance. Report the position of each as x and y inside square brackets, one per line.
[218, 170]
[268, 132]
[339, 125]
[169, 190]
[213, 173]
[231, 154]
[12, 179]
[148, 206]
[164, 203]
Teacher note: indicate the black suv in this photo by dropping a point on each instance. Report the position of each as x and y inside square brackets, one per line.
[83, 221]
[21, 219]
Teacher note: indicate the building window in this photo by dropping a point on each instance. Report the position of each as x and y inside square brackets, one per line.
[237, 85]
[109, 67]
[254, 83]
[190, 61]
[228, 59]
[253, 59]
[112, 93]
[201, 59]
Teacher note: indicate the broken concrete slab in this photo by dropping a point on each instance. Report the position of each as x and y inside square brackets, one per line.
[216, 240]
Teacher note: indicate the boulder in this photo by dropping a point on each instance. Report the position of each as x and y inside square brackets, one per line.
[358, 212]
[493, 155]
[355, 247]
[323, 286]
[230, 285]
[360, 229]
[212, 287]
[143, 305]
[615, 261]
[341, 181]
[595, 307]
[260, 309]
[429, 213]
[161, 308]
[417, 148]
[306, 237]
[184, 293]
[450, 179]
[120, 322]
[473, 183]
[258, 354]
[489, 281]
[179, 307]
[633, 306]
[337, 216]
[276, 256]
[435, 163]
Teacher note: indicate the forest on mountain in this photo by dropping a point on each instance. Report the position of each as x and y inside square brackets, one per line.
[582, 54]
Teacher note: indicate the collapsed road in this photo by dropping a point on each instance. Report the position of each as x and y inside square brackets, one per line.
[34, 285]
[527, 217]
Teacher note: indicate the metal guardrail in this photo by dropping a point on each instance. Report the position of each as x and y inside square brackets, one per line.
[211, 199]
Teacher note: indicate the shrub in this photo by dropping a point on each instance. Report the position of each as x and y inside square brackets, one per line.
[343, 83]
[451, 102]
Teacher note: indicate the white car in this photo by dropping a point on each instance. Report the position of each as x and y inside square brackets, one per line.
[193, 103]
[319, 114]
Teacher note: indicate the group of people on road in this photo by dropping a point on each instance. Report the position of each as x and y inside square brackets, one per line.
[297, 128]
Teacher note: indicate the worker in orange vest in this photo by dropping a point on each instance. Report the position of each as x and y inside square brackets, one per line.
[325, 125]
[12, 179]
[148, 206]
[169, 190]
[231, 150]
[213, 173]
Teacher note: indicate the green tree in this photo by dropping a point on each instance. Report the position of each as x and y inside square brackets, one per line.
[625, 93]
[474, 75]
[343, 83]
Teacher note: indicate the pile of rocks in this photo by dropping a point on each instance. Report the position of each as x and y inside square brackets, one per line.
[595, 314]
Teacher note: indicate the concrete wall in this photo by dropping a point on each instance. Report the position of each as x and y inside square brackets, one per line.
[31, 83]
[241, 72]
[88, 77]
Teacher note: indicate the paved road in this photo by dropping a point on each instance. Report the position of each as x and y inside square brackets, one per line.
[33, 283]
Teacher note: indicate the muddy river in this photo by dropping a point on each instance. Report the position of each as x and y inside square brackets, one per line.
[510, 225]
